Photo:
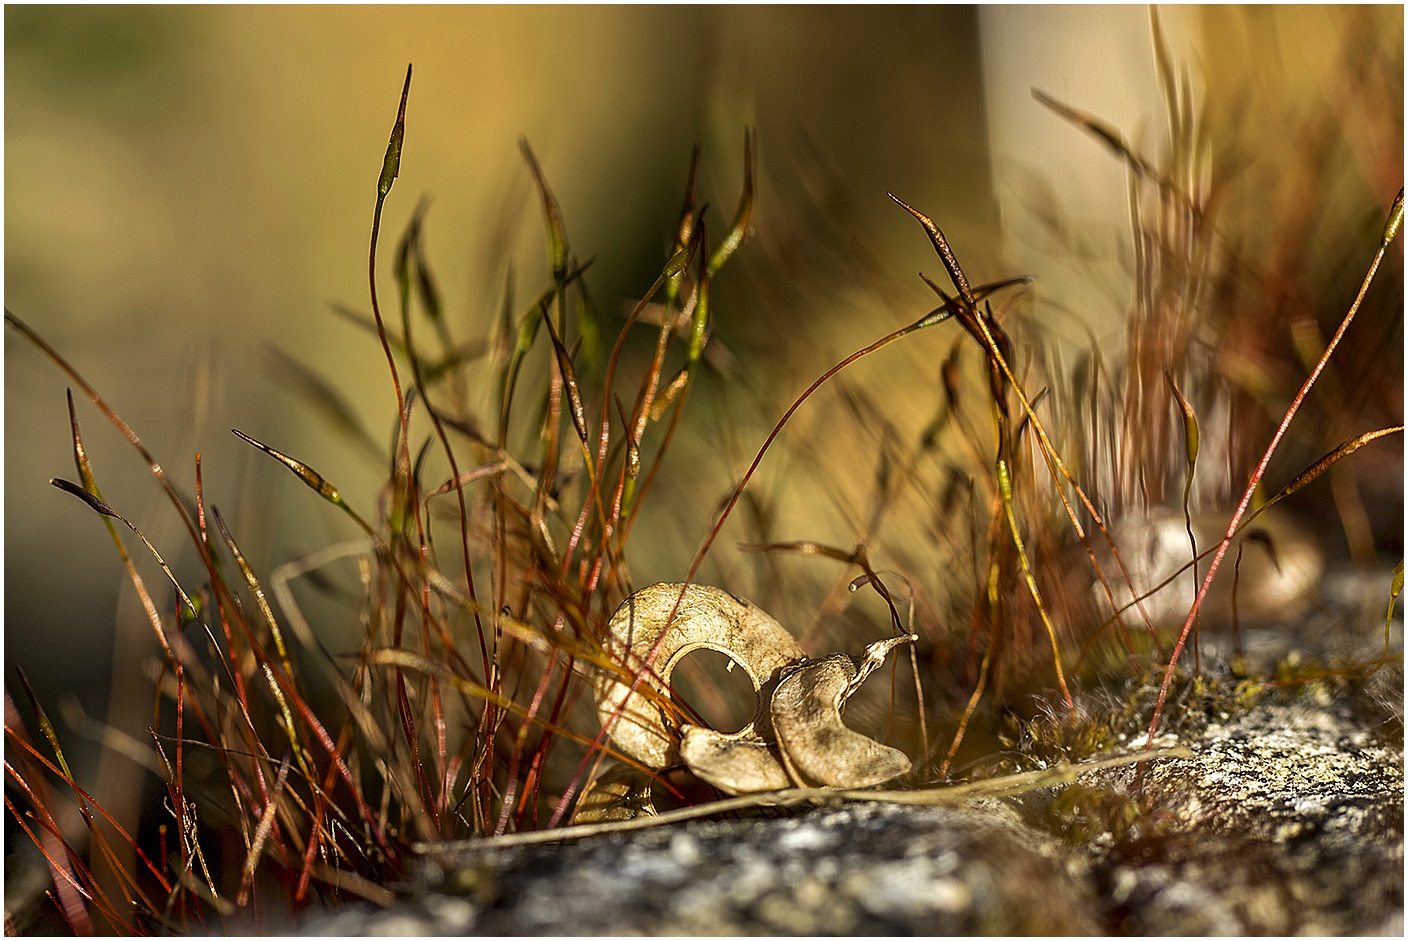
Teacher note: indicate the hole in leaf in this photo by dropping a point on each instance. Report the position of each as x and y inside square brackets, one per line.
[723, 698]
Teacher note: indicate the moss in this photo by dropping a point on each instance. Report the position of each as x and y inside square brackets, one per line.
[1081, 813]
[1054, 736]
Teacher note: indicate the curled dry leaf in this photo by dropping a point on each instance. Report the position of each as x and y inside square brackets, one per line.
[796, 737]
[621, 792]
[816, 745]
[704, 617]
[738, 763]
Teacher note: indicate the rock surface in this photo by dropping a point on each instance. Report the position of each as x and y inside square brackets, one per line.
[853, 869]
[1287, 820]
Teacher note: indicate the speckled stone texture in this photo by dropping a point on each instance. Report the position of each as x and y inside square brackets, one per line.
[1287, 820]
[856, 869]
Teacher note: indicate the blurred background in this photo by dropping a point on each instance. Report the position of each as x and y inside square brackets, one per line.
[189, 188]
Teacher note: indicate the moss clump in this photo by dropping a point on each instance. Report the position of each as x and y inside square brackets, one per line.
[1082, 813]
[1057, 735]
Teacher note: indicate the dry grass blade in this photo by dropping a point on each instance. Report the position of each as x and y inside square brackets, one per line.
[950, 795]
[98, 506]
[311, 478]
[569, 379]
[1328, 460]
[552, 212]
[1101, 131]
[1394, 591]
[156, 469]
[1391, 227]
[1191, 442]
[261, 833]
[739, 230]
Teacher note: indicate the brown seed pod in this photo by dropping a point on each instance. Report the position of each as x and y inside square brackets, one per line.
[817, 747]
[738, 763]
[706, 617]
[796, 736]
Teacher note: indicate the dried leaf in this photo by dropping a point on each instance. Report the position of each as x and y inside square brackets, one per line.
[796, 736]
[817, 747]
[652, 631]
[621, 792]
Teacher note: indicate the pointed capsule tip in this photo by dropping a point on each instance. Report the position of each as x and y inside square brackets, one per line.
[1395, 218]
